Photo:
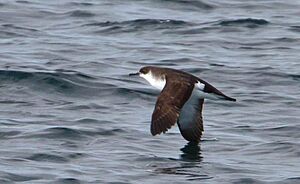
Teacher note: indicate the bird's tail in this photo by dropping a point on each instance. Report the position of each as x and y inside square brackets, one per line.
[229, 98]
[215, 93]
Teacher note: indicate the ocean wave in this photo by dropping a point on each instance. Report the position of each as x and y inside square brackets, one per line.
[295, 77]
[61, 79]
[10, 34]
[295, 28]
[81, 3]
[195, 4]
[9, 134]
[18, 27]
[248, 180]
[23, 2]
[73, 134]
[64, 15]
[247, 22]
[12, 31]
[55, 157]
[62, 133]
[88, 120]
[138, 25]
[279, 75]
[80, 13]
[46, 157]
[11, 177]
[68, 180]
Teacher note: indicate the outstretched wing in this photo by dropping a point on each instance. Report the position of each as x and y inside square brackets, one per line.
[190, 122]
[169, 103]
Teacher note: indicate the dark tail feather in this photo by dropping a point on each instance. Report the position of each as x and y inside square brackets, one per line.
[211, 89]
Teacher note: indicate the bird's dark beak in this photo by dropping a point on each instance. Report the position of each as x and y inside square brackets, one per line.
[132, 74]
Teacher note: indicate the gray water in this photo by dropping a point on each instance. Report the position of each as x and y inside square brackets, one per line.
[69, 112]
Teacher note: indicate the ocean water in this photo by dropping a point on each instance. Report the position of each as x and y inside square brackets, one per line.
[69, 112]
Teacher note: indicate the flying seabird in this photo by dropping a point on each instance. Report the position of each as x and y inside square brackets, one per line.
[181, 100]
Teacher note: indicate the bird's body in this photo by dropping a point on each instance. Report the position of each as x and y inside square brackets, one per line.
[181, 100]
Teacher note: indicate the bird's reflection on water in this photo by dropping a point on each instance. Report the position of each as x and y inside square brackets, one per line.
[191, 152]
[188, 164]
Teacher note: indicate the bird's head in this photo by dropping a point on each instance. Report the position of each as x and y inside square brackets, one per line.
[153, 75]
[142, 72]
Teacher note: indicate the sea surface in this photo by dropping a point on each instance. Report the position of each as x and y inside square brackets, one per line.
[69, 112]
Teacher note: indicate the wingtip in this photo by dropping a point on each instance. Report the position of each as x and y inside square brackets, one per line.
[154, 131]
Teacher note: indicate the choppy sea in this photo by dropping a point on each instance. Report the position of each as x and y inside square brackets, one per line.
[69, 112]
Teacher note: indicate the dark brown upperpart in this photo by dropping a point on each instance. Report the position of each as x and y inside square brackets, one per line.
[180, 75]
[169, 103]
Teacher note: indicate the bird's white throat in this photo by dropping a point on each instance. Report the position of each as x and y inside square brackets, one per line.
[156, 82]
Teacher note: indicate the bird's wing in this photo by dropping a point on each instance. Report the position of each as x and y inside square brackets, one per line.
[169, 103]
[190, 122]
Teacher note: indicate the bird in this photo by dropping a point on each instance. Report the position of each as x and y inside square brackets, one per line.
[180, 100]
